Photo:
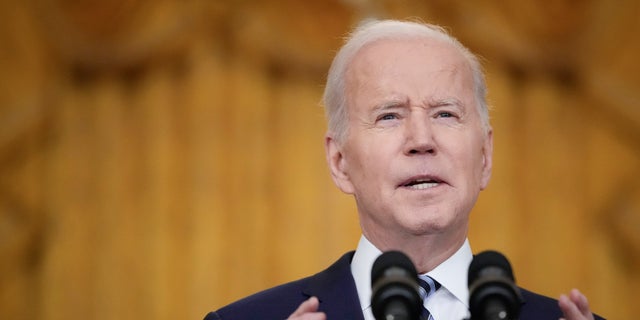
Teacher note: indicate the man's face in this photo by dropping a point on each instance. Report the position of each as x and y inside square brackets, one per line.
[415, 156]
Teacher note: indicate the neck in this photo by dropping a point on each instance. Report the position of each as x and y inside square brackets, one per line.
[426, 251]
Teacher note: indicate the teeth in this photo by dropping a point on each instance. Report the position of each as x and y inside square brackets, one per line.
[423, 185]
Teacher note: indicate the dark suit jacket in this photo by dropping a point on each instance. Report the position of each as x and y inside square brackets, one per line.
[336, 290]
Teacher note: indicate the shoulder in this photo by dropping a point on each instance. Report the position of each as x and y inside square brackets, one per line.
[280, 301]
[537, 307]
[274, 303]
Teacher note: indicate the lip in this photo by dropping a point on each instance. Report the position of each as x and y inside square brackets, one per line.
[406, 183]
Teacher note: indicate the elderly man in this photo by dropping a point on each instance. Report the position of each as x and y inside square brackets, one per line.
[409, 138]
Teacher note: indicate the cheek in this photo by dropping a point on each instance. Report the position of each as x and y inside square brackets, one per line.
[478, 164]
[370, 157]
[469, 158]
[366, 165]
[356, 163]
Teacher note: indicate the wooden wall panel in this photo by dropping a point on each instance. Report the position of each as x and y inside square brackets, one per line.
[184, 168]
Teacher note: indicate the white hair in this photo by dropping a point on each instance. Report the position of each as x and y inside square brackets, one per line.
[334, 98]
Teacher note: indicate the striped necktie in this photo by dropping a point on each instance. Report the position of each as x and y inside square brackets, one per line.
[428, 287]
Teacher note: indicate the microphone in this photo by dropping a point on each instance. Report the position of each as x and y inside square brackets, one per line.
[395, 290]
[493, 294]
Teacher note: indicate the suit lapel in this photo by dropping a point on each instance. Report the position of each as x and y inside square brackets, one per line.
[336, 290]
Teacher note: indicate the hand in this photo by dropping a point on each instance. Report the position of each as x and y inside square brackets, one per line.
[575, 306]
[308, 310]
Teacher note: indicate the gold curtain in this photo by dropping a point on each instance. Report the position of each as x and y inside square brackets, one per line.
[163, 158]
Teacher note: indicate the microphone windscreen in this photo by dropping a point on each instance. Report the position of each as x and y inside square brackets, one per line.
[388, 260]
[489, 259]
[493, 293]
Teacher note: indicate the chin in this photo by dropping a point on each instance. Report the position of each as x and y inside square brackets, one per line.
[429, 225]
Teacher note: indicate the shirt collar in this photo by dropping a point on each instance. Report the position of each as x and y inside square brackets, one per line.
[451, 274]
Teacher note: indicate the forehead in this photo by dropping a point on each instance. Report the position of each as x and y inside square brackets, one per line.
[424, 65]
[424, 51]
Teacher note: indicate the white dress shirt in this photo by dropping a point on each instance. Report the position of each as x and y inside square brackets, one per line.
[450, 302]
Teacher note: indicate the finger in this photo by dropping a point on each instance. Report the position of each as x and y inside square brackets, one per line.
[581, 301]
[310, 305]
[570, 308]
[309, 316]
[308, 310]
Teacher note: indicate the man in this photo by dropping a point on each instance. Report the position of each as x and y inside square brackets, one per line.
[409, 137]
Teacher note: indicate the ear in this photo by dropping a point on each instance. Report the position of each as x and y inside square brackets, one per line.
[337, 165]
[487, 159]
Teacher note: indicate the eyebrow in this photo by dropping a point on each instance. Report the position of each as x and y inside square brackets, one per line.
[451, 101]
[393, 104]
[430, 103]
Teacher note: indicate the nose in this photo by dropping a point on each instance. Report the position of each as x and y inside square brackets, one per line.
[419, 139]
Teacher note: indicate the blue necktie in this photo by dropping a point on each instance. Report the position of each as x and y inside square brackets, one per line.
[428, 287]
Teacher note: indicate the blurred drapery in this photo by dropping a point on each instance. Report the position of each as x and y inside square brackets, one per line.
[163, 158]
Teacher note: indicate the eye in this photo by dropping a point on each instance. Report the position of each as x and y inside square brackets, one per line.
[444, 114]
[388, 116]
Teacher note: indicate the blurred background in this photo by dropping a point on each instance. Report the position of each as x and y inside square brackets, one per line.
[160, 159]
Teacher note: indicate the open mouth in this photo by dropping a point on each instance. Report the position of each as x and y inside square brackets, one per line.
[421, 183]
